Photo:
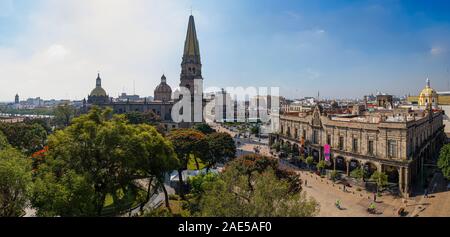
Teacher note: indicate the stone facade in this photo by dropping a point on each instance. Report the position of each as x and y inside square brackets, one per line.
[397, 144]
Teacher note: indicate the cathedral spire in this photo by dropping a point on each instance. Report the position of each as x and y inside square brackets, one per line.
[191, 46]
[98, 81]
[191, 67]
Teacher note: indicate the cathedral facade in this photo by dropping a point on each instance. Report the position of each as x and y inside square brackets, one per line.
[191, 70]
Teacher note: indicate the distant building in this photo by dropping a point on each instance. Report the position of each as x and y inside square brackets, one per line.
[126, 97]
[385, 101]
[17, 99]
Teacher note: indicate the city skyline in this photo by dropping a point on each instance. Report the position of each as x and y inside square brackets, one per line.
[53, 49]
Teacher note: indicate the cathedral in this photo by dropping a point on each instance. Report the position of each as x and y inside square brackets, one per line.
[191, 69]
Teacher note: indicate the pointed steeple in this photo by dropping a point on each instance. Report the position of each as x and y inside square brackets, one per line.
[191, 45]
[191, 67]
[98, 81]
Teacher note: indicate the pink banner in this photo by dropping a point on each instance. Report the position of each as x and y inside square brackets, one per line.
[327, 151]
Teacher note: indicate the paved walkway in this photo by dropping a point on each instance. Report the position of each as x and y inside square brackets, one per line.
[438, 202]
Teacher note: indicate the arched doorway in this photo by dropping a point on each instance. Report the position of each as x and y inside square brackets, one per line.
[392, 173]
[295, 150]
[369, 169]
[316, 155]
[340, 164]
[354, 164]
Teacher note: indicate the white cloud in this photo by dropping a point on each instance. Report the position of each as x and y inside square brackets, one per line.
[67, 42]
[437, 50]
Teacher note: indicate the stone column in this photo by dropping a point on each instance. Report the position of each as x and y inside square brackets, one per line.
[407, 182]
[400, 179]
[379, 167]
[348, 167]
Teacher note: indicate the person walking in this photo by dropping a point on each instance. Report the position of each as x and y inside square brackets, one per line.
[425, 193]
[306, 183]
[375, 197]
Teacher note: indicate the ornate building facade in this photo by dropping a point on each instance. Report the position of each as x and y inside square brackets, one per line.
[397, 142]
[191, 69]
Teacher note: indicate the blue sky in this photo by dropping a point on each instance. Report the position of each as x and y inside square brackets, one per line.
[343, 48]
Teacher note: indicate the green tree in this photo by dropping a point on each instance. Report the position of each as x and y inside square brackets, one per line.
[64, 115]
[158, 159]
[276, 146]
[28, 138]
[204, 128]
[104, 154]
[321, 165]
[187, 142]
[221, 147]
[269, 196]
[247, 165]
[286, 148]
[68, 195]
[380, 178]
[444, 161]
[137, 117]
[309, 161]
[15, 182]
[255, 129]
[45, 123]
[358, 173]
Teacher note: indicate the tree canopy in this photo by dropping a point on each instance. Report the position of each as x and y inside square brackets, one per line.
[250, 187]
[28, 138]
[15, 181]
[444, 161]
[221, 147]
[97, 155]
[204, 128]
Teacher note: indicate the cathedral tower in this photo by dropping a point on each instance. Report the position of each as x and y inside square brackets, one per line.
[191, 67]
[191, 74]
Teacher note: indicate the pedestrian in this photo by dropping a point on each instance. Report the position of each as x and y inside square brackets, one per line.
[306, 183]
[425, 193]
[375, 197]
[343, 187]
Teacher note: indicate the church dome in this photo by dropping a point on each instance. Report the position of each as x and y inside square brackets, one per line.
[427, 92]
[163, 88]
[428, 96]
[163, 91]
[98, 91]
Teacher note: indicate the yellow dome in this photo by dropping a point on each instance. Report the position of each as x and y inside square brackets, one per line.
[427, 92]
[98, 91]
[428, 96]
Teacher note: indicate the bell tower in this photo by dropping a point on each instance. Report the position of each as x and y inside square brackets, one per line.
[191, 66]
[191, 76]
